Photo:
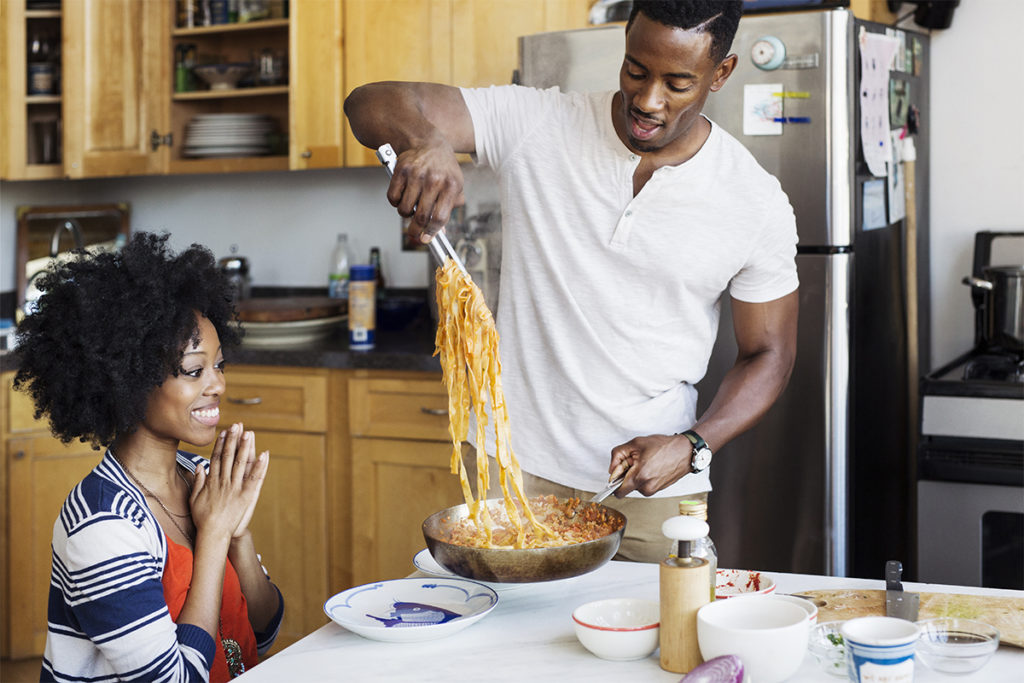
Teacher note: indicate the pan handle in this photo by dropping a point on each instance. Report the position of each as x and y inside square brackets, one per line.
[977, 282]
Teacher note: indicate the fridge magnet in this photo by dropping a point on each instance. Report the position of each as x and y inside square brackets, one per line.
[874, 204]
[762, 105]
[876, 55]
[899, 102]
[894, 182]
[918, 55]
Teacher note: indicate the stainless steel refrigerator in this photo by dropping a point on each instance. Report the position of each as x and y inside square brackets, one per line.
[824, 483]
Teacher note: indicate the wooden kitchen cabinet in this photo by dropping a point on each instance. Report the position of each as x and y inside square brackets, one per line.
[469, 43]
[400, 469]
[30, 124]
[116, 62]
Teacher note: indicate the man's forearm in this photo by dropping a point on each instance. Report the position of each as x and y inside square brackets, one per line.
[746, 393]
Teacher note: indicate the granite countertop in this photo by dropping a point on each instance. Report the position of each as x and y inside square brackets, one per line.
[409, 349]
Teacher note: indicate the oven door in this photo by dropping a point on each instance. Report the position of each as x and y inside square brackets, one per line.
[970, 513]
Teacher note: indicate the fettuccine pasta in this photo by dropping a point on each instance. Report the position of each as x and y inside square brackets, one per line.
[467, 344]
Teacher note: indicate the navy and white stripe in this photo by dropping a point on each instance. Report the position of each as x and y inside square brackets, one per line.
[107, 618]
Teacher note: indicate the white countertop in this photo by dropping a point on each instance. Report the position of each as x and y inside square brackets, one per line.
[529, 637]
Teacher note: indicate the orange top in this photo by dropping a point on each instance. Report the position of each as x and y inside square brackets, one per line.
[234, 615]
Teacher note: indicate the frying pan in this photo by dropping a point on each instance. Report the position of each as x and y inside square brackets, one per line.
[526, 565]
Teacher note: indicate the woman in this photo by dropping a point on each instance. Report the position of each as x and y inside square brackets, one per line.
[124, 351]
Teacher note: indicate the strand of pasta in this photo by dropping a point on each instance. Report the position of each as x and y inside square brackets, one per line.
[467, 344]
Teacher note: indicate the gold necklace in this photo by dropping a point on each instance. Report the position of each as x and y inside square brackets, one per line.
[170, 515]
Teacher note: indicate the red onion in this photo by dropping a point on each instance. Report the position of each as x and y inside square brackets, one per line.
[724, 669]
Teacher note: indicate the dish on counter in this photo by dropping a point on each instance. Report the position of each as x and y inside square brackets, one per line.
[956, 646]
[730, 583]
[290, 332]
[618, 629]
[411, 610]
[827, 646]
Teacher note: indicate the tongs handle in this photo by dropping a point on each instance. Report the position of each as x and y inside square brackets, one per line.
[440, 247]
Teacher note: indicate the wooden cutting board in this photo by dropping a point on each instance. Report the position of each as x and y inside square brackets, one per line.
[285, 309]
[1006, 614]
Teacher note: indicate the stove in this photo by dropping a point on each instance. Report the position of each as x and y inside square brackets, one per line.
[970, 470]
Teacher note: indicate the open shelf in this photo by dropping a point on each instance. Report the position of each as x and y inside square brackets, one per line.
[261, 25]
[233, 93]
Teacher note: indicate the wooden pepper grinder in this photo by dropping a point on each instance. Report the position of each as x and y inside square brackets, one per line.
[683, 590]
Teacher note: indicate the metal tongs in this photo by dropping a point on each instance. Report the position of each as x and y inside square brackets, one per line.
[440, 247]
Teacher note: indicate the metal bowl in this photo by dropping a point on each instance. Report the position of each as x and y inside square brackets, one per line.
[508, 565]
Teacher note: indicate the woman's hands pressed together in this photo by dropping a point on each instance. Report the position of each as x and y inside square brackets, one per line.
[223, 500]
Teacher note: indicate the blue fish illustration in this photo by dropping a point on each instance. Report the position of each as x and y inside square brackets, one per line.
[416, 614]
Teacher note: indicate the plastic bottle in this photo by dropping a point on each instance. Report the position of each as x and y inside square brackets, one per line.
[337, 279]
[362, 309]
[702, 547]
[682, 590]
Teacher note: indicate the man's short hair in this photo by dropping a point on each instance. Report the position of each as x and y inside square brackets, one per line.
[717, 17]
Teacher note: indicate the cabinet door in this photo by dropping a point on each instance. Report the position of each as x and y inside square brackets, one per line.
[289, 529]
[316, 115]
[403, 40]
[487, 50]
[41, 473]
[116, 86]
[396, 484]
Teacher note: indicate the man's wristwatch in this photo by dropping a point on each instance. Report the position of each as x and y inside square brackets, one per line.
[701, 456]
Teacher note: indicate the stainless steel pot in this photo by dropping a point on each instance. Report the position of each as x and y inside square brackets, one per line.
[1003, 305]
[517, 566]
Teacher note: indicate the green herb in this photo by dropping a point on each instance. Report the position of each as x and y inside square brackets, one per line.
[835, 638]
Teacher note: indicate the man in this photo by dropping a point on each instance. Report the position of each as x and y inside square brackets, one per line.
[625, 216]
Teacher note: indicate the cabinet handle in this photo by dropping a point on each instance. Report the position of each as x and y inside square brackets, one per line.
[307, 154]
[433, 411]
[254, 401]
[18, 455]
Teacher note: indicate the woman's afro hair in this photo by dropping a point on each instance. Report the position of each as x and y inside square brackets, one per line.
[110, 327]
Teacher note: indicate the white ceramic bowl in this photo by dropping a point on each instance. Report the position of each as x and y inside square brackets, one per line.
[407, 610]
[222, 76]
[808, 605]
[956, 646]
[768, 634]
[732, 582]
[826, 644]
[618, 629]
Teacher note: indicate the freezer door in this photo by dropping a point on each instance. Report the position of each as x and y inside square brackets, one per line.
[780, 493]
[583, 60]
[812, 155]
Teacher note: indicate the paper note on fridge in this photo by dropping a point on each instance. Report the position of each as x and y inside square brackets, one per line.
[762, 105]
[876, 55]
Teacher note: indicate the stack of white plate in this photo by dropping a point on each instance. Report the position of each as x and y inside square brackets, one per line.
[228, 135]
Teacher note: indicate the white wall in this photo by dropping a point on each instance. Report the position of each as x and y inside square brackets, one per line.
[977, 164]
[286, 222]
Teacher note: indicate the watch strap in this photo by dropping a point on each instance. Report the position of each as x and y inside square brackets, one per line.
[696, 439]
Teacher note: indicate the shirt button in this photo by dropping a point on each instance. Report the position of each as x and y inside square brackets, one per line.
[633, 157]
[629, 213]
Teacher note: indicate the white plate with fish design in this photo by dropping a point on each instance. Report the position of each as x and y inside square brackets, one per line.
[410, 610]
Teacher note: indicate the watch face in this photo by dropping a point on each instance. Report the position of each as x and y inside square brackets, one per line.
[700, 459]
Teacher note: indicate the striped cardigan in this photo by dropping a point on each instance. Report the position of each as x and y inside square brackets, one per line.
[107, 619]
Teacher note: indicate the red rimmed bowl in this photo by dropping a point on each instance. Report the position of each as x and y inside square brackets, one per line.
[618, 629]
